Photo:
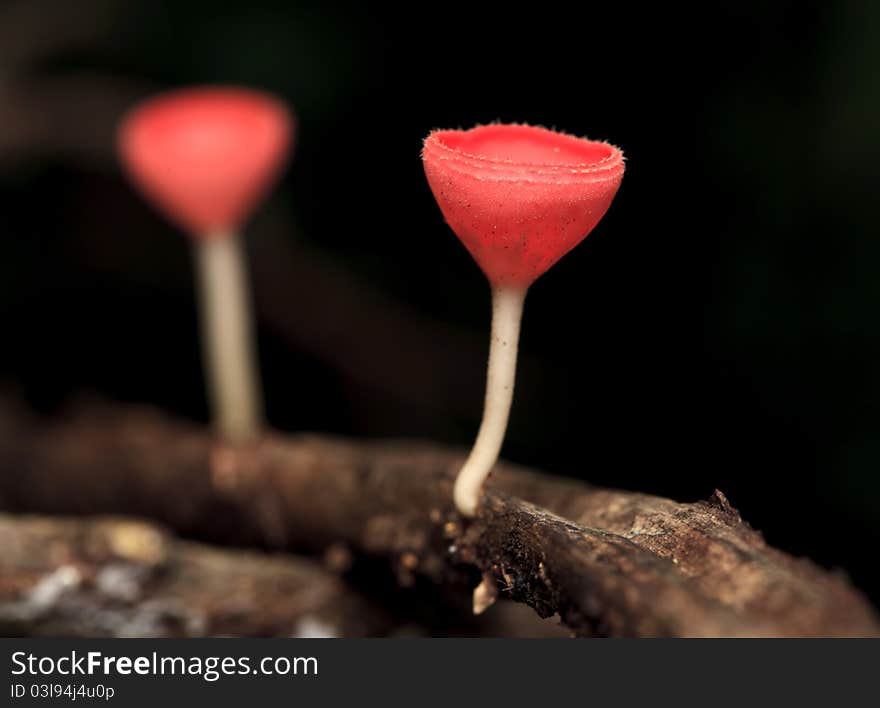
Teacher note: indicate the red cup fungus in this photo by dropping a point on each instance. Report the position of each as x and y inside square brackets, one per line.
[205, 157]
[519, 198]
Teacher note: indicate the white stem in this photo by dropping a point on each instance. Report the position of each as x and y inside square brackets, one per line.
[228, 347]
[507, 307]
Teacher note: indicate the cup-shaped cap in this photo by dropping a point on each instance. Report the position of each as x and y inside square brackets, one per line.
[520, 197]
[205, 156]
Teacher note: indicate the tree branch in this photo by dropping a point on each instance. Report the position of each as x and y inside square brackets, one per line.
[608, 562]
[112, 577]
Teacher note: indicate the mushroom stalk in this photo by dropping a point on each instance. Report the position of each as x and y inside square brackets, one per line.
[227, 337]
[507, 308]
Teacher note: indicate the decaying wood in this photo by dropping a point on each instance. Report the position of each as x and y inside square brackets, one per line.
[114, 577]
[608, 562]
[118, 577]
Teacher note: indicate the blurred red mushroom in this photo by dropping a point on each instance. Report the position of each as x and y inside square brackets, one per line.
[519, 198]
[205, 157]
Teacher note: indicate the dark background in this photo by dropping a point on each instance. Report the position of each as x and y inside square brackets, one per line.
[719, 328]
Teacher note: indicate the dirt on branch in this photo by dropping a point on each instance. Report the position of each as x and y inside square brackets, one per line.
[609, 562]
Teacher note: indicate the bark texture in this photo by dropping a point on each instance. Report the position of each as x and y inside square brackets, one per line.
[609, 562]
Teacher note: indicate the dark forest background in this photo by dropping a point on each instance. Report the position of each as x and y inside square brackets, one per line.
[720, 327]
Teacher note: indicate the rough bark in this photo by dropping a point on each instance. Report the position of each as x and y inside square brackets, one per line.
[608, 562]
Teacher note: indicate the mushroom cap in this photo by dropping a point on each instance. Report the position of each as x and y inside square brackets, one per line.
[205, 156]
[520, 197]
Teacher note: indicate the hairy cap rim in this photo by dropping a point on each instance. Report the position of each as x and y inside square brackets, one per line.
[455, 146]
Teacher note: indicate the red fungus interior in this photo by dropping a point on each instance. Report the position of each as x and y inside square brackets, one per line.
[526, 145]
